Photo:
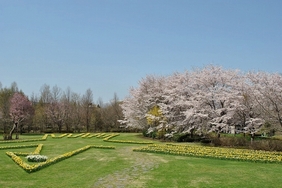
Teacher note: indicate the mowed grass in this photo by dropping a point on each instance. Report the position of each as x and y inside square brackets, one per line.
[121, 167]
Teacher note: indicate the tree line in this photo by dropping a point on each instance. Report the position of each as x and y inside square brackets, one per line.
[204, 100]
[56, 110]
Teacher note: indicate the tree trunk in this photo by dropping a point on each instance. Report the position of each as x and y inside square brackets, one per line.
[252, 137]
[192, 132]
[17, 132]
[60, 127]
[12, 131]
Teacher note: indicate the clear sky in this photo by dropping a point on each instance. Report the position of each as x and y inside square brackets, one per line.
[109, 45]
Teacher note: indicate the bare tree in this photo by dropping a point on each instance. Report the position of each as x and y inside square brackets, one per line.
[56, 93]
[56, 112]
[87, 104]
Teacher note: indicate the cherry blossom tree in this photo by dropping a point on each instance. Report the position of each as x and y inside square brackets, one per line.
[56, 112]
[20, 109]
[267, 95]
[205, 100]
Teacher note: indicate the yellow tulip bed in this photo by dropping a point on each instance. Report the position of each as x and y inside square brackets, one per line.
[85, 135]
[61, 136]
[214, 152]
[19, 141]
[16, 156]
[74, 136]
[35, 167]
[45, 137]
[100, 135]
[18, 146]
[106, 137]
[36, 152]
[109, 139]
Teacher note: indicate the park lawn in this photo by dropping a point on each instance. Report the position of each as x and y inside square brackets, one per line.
[121, 167]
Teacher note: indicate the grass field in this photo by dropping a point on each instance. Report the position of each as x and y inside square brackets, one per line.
[121, 167]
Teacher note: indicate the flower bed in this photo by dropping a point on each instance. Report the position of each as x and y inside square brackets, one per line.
[108, 137]
[92, 135]
[102, 147]
[35, 167]
[61, 136]
[128, 141]
[36, 151]
[18, 146]
[85, 135]
[100, 135]
[29, 140]
[45, 137]
[75, 136]
[36, 158]
[211, 152]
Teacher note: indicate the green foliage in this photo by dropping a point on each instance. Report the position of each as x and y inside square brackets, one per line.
[160, 134]
[152, 134]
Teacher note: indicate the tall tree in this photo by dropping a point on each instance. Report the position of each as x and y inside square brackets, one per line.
[201, 101]
[87, 103]
[56, 112]
[5, 95]
[76, 111]
[20, 109]
[266, 90]
[46, 95]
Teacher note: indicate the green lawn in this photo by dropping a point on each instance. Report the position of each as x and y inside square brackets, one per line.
[121, 167]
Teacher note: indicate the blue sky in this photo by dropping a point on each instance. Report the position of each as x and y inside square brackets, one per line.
[109, 45]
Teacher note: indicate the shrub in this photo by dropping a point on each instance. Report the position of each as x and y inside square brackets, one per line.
[267, 145]
[144, 132]
[152, 134]
[206, 141]
[160, 134]
[185, 137]
[229, 141]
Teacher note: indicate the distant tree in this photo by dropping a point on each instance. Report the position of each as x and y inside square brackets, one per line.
[5, 95]
[20, 109]
[46, 95]
[87, 104]
[40, 120]
[76, 112]
[66, 99]
[110, 113]
[56, 93]
[56, 112]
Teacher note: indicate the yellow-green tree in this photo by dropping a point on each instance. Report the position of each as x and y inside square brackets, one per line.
[155, 116]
